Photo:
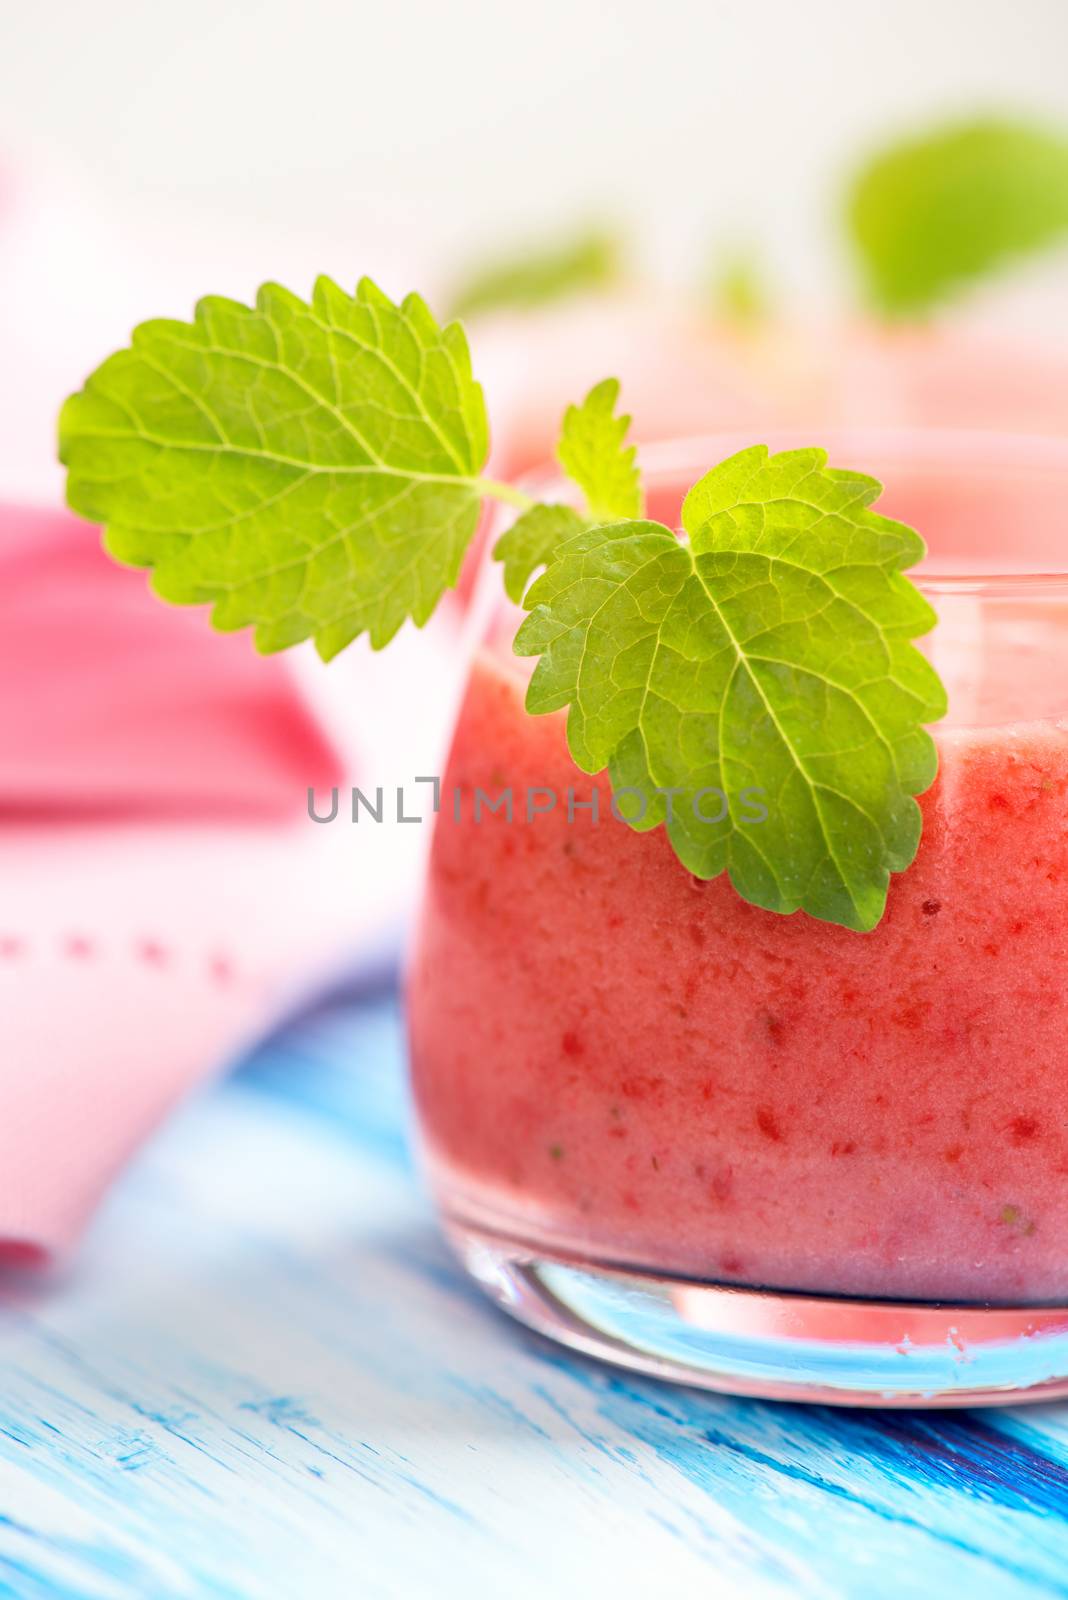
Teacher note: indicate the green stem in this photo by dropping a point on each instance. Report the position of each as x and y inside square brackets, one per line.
[504, 491]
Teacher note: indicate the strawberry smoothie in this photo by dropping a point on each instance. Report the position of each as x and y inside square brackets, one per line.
[615, 1061]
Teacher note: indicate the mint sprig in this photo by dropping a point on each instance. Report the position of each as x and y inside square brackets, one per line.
[596, 457]
[771, 652]
[315, 470]
[932, 214]
[310, 469]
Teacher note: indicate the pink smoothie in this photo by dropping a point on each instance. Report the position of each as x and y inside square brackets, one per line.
[616, 1061]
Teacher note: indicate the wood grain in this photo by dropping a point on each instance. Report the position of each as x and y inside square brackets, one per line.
[264, 1376]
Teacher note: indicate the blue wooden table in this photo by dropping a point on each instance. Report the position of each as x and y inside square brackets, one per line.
[265, 1377]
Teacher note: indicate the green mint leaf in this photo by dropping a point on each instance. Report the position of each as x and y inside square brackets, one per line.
[593, 454]
[309, 469]
[536, 277]
[933, 214]
[531, 542]
[769, 653]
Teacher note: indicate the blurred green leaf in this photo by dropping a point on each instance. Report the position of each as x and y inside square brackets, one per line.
[931, 214]
[537, 276]
[737, 289]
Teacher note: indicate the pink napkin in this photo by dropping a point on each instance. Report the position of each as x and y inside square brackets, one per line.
[164, 893]
[112, 702]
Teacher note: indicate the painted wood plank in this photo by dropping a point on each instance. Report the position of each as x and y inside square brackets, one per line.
[265, 1376]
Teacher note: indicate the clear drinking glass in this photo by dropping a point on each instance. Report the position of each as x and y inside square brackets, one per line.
[762, 1153]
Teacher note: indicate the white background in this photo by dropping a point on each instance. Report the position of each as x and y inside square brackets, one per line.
[444, 123]
[152, 152]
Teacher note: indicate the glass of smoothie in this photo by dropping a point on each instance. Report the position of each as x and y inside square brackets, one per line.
[755, 1152]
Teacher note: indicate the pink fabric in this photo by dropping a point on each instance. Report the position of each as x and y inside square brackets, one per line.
[162, 890]
[134, 960]
[114, 701]
[162, 894]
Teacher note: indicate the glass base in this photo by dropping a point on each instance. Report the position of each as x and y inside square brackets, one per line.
[772, 1345]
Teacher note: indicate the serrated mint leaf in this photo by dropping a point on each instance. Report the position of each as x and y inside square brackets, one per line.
[767, 660]
[308, 469]
[538, 276]
[935, 213]
[593, 454]
[531, 542]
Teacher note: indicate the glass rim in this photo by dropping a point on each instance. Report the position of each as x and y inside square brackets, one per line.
[982, 450]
